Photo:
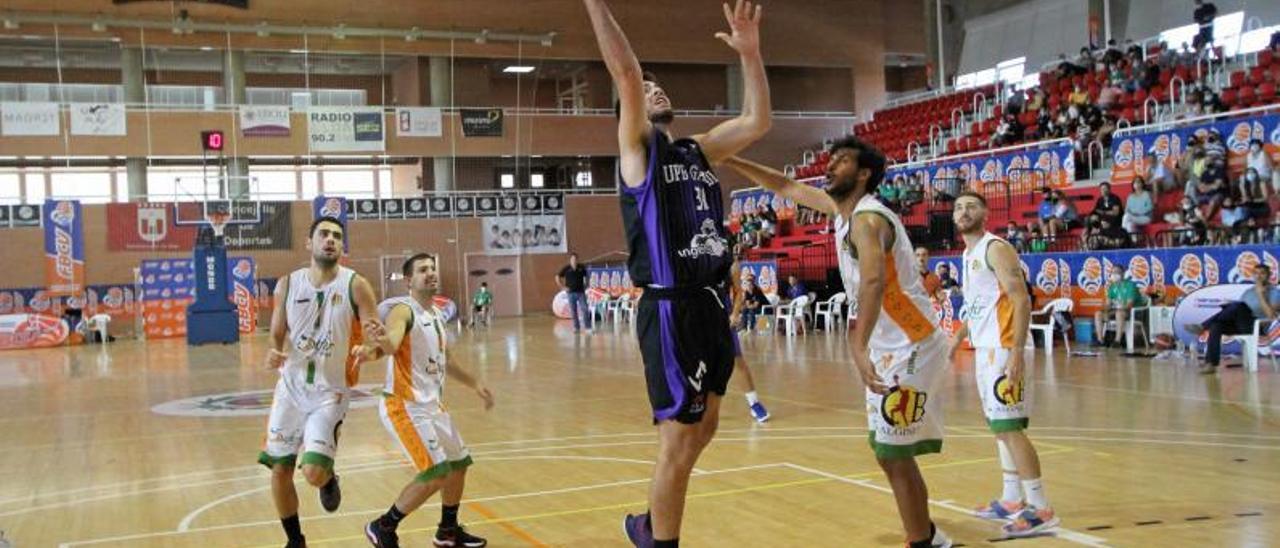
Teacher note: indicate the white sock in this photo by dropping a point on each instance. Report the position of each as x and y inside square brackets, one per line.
[1035, 493]
[1012, 491]
[752, 398]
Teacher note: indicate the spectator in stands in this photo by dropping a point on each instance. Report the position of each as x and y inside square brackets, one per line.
[1213, 147]
[1212, 188]
[1108, 205]
[1079, 97]
[1190, 226]
[1106, 235]
[1234, 221]
[1008, 132]
[1168, 56]
[1037, 100]
[1236, 317]
[766, 232]
[1091, 237]
[944, 277]
[1191, 166]
[1045, 213]
[795, 288]
[932, 283]
[1015, 236]
[1036, 242]
[1122, 297]
[1132, 50]
[1139, 208]
[1187, 57]
[1203, 15]
[1158, 175]
[1112, 54]
[1064, 212]
[766, 212]
[1255, 199]
[1260, 162]
[1110, 95]
[889, 192]
[755, 299]
[1066, 68]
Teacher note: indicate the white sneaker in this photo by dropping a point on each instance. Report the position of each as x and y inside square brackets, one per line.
[940, 539]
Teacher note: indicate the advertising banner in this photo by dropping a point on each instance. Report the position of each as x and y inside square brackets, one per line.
[532, 234]
[63, 246]
[750, 201]
[345, 129]
[30, 119]
[168, 287]
[107, 119]
[611, 281]
[1024, 170]
[482, 122]
[765, 273]
[1129, 152]
[264, 121]
[25, 215]
[418, 122]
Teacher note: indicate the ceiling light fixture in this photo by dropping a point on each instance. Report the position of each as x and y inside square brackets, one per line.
[518, 69]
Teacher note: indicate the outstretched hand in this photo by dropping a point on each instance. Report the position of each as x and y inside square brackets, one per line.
[744, 27]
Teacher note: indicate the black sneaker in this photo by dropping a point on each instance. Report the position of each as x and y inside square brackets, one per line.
[457, 536]
[299, 543]
[380, 536]
[331, 495]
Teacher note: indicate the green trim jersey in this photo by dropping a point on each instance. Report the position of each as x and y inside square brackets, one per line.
[323, 327]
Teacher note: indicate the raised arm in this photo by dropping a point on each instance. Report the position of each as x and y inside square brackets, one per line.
[782, 185]
[732, 136]
[624, 68]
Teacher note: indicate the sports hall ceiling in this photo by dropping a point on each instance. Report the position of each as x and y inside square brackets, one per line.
[796, 32]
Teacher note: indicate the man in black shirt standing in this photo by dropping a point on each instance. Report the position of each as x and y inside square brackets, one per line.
[573, 279]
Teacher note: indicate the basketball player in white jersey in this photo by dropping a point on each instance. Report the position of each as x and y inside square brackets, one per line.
[314, 326]
[413, 335]
[897, 347]
[997, 319]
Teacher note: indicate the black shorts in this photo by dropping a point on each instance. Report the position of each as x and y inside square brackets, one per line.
[687, 348]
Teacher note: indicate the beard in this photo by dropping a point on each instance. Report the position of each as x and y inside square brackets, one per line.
[839, 190]
[662, 117]
[973, 225]
[323, 261]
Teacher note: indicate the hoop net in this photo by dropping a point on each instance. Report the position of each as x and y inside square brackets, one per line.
[218, 221]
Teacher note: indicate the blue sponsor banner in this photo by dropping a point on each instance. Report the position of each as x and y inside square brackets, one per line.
[1173, 272]
[332, 206]
[1128, 153]
[63, 246]
[1027, 169]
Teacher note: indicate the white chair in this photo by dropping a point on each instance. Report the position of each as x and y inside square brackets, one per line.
[1050, 310]
[1250, 343]
[829, 310]
[765, 315]
[850, 315]
[1129, 327]
[620, 309]
[788, 315]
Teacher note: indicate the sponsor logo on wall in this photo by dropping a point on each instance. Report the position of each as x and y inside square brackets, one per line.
[106, 119]
[264, 121]
[30, 119]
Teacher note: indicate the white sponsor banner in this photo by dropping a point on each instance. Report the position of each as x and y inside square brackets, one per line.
[525, 234]
[30, 119]
[343, 129]
[418, 122]
[264, 121]
[98, 119]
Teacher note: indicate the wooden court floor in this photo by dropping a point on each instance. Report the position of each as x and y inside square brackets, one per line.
[1135, 452]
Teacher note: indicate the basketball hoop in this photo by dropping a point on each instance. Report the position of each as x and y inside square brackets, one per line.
[218, 221]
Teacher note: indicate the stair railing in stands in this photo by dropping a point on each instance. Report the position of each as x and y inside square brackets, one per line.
[1146, 119]
[956, 113]
[1182, 93]
[977, 103]
[1101, 155]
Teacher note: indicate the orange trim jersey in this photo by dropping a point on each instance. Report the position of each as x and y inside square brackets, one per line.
[907, 315]
[416, 371]
[988, 310]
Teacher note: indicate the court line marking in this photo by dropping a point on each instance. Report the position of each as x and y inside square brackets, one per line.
[1069, 535]
[544, 492]
[1155, 394]
[510, 527]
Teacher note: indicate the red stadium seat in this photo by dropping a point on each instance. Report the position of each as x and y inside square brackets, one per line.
[1265, 58]
[1257, 75]
[1247, 97]
[1237, 79]
[1266, 93]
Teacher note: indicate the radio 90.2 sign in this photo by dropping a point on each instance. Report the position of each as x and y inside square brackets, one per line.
[344, 129]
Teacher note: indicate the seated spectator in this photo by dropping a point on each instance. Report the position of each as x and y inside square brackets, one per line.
[1132, 50]
[1091, 237]
[1234, 221]
[1260, 162]
[1110, 95]
[766, 212]
[1036, 243]
[795, 288]
[1213, 146]
[1190, 226]
[944, 276]
[1212, 188]
[1044, 214]
[1139, 207]
[1158, 175]
[1112, 54]
[754, 300]
[1064, 211]
[1015, 236]
[1079, 97]
[1108, 205]
[1255, 197]
[1037, 100]
[1258, 302]
[889, 195]
[1191, 166]
[1122, 297]
[1112, 235]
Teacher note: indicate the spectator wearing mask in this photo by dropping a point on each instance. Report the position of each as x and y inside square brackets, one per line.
[1045, 214]
[1139, 207]
[1036, 242]
[1091, 237]
[1203, 15]
[1260, 161]
[1122, 297]
[1108, 205]
[1212, 188]
[1191, 226]
[1064, 210]
[1015, 236]
[1113, 236]
[932, 283]
[944, 276]
[1236, 317]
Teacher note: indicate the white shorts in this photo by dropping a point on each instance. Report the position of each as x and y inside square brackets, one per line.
[304, 417]
[426, 435]
[908, 420]
[1006, 407]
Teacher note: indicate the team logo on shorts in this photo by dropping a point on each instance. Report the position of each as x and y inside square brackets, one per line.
[903, 406]
[245, 404]
[1006, 392]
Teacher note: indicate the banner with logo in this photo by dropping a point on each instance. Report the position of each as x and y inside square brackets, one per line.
[1024, 170]
[345, 129]
[264, 121]
[418, 122]
[4, 216]
[530, 234]
[25, 331]
[118, 300]
[30, 119]
[1129, 152]
[25, 215]
[749, 201]
[107, 119]
[168, 287]
[765, 274]
[1174, 272]
[274, 229]
[481, 122]
[613, 281]
[152, 226]
[63, 246]
[332, 206]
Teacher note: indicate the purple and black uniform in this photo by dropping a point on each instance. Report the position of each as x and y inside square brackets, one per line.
[680, 254]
